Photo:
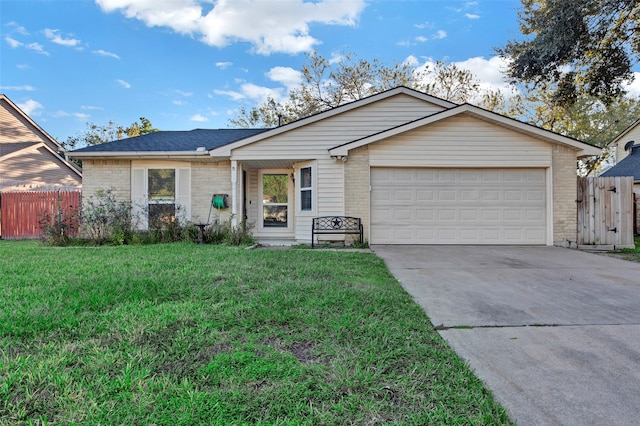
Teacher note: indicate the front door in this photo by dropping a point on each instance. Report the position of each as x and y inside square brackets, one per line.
[275, 216]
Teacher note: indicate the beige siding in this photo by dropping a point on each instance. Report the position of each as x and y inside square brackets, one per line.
[313, 141]
[15, 128]
[36, 168]
[461, 141]
[329, 196]
[252, 199]
[565, 181]
[330, 187]
[25, 167]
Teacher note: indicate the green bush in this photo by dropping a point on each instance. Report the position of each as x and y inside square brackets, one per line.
[225, 233]
[105, 220]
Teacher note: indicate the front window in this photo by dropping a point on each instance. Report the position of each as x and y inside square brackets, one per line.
[306, 191]
[275, 200]
[162, 197]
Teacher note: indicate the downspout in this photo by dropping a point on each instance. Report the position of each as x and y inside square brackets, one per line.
[234, 193]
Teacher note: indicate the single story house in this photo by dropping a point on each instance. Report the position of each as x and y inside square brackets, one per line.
[416, 169]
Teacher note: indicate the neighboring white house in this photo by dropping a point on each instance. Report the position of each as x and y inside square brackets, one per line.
[416, 169]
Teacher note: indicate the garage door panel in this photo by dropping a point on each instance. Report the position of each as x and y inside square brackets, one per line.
[458, 206]
[403, 195]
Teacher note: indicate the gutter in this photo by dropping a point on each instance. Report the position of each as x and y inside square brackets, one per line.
[197, 153]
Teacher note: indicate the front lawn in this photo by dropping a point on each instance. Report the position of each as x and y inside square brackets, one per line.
[184, 334]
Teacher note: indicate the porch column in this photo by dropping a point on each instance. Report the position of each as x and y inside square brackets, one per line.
[234, 193]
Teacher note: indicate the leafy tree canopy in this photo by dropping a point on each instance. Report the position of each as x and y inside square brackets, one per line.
[579, 47]
[328, 83]
[96, 134]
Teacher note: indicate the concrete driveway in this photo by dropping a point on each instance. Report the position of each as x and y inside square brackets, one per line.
[554, 333]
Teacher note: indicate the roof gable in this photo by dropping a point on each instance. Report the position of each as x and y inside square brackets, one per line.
[378, 97]
[19, 132]
[494, 118]
[18, 127]
[626, 131]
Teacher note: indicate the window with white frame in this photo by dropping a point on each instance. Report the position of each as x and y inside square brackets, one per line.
[160, 194]
[162, 197]
[306, 189]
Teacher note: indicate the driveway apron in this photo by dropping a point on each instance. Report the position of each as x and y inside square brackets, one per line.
[553, 332]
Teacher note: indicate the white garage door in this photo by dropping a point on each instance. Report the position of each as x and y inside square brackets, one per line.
[458, 206]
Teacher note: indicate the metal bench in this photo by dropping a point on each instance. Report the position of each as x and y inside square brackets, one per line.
[344, 225]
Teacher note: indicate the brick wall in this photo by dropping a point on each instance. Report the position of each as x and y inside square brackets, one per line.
[208, 179]
[106, 174]
[564, 196]
[356, 186]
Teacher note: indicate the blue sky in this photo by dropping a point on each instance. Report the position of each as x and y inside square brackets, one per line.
[188, 64]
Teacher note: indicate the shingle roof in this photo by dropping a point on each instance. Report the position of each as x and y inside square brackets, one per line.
[189, 140]
[628, 166]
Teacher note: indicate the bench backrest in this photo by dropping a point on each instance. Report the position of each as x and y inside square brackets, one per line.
[336, 223]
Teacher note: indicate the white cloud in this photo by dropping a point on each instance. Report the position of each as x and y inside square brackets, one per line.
[124, 84]
[472, 16]
[12, 42]
[37, 47]
[424, 25]
[223, 65]
[25, 87]
[271, 26]
[255, 93]
[91, 108]
[55, 37]
[76, 115]
[200, 118]
[488, 72]
[439, 35]
[107, 54]
[411, 61]
[421, 39]
[235, 96]
[30, 107]
[287, 76]
[17, 28]
[260, 94]
[634, 87]
[179, 102]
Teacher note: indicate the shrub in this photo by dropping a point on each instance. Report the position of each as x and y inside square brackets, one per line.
[107, 220]
[59, 229]
[227, 234]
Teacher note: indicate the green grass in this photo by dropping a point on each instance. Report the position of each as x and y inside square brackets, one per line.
[631, 254]
[186, 334]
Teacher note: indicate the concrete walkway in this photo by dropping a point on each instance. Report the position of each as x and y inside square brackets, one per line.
[554, 333]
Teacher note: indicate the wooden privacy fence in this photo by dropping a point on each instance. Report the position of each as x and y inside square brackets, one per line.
[21, 213]
[605, 212]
